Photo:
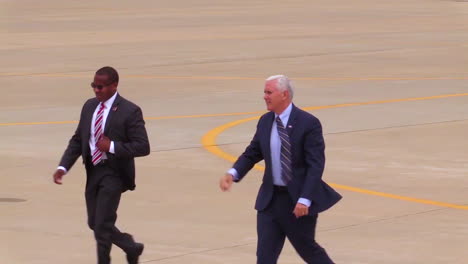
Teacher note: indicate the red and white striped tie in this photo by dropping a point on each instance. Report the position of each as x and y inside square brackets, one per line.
[97, 154]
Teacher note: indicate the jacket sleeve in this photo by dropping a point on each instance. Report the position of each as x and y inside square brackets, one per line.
[250, 157]
[74, 148]
[138, 143]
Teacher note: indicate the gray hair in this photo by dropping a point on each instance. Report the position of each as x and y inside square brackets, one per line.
[283, 83]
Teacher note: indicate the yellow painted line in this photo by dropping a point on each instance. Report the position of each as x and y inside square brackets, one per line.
[209, 143]
[16, 74]
[39, 123]
[147, 118]
[162, 77]
[260, 112]
[386, 101]
[207, 115]
[398, 197]
[209, 140]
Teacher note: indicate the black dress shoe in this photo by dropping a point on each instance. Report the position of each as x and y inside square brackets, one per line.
[133, 257]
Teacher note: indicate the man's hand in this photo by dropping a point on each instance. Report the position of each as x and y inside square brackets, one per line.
[58, 175]
[225, 182]
[103, 144]
[301, 210]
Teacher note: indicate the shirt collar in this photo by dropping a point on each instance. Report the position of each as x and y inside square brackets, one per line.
[284, 116]
[110, 101]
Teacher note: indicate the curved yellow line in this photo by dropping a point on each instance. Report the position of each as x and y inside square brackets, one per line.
[399, 197]
[209, 143]
[209, 140]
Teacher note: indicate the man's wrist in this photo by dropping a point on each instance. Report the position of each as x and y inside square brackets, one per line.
[62, 169]
[305, 202]
[233, 173]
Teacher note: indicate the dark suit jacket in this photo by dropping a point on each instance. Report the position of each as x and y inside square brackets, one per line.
[125, 126]
[308, 161]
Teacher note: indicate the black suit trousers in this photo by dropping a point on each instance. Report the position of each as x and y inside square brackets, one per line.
[277, 222]
[103, 192]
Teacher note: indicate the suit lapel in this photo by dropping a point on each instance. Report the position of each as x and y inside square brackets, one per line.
[114, 108]
[89, 119]
[266, 138]
[292, 120]
[267, 134]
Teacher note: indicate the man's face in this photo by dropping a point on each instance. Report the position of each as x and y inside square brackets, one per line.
[275, 100]
[103, 88]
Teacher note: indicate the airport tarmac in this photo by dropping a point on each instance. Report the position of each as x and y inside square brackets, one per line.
[387, 79]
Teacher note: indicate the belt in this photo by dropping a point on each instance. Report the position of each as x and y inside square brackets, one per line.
[279, 188]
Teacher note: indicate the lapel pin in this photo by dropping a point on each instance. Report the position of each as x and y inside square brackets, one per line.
[289, 126]
[114, 108]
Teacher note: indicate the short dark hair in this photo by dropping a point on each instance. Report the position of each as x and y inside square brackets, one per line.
[110, 72]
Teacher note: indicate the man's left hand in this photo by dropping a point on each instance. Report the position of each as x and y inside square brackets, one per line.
[301, 210]
[103, 144]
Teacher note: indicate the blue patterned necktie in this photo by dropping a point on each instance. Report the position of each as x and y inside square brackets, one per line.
[285, 156]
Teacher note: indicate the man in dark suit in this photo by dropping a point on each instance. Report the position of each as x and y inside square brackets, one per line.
[292, 194]
[110, 134]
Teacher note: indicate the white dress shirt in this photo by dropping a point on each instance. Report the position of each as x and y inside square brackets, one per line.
[92, 141]
[107, 108]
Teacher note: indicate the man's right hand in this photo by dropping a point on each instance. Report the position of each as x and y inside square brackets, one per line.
[225, 182]
[58, 175]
